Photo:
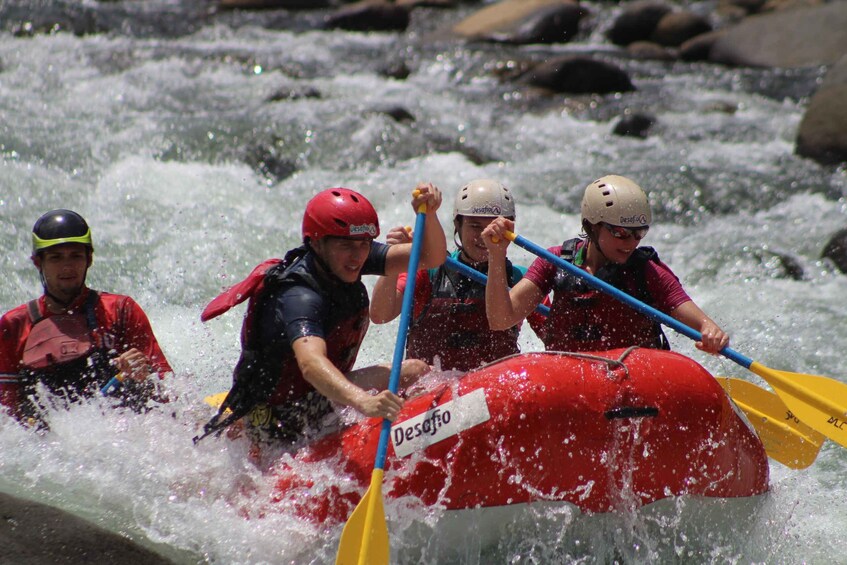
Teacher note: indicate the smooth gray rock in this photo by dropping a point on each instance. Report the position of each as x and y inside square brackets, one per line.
[36, 534]
[822, 135]
[791, 38]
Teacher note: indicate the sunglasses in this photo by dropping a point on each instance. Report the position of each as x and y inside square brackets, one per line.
[620, 232]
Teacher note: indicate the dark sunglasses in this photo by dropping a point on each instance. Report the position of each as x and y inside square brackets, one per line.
[620, 232]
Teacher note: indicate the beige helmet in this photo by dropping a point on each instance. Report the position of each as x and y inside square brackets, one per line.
[616, 200]
[484, 197]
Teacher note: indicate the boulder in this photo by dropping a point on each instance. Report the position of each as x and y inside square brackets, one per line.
[836, 250]
[822, 135]
[369, 15]
[700, 47]
[649, 50]
[523, 21]
[32, 533]
[273, 4]
[634, 124]
[577, 75]
[790, 38]
[676, 28]
[553, 24]
[637, 22]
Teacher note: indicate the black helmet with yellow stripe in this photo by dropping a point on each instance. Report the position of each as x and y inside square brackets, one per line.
[57, 227]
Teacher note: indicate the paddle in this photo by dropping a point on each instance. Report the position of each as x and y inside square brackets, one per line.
[475, 275]
[786, 439]
[819, 402]
[113, 384]
[365, 536]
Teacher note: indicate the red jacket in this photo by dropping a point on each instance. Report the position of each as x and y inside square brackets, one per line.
[121, 325]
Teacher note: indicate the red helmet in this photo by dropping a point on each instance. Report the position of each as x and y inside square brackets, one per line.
[340, 212]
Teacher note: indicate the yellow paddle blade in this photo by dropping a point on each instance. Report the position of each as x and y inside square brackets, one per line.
[215, 400]
[819, 402]
[786, 439]
[364, 540]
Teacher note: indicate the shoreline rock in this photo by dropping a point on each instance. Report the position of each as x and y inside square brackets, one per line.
[32, 533]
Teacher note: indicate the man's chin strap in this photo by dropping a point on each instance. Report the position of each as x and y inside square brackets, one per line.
[325, 266]
[64, 304]
[470, 262]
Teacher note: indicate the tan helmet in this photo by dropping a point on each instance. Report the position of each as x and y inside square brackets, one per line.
[616, 200]
[484, 197]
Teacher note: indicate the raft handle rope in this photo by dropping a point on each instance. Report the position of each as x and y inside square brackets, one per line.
[611, 364]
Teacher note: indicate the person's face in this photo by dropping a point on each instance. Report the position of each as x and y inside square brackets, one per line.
[618, 243]
[345, 257]
[470, 229]
[64, 267]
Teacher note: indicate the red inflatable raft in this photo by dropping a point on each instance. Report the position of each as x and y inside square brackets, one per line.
[603, 431]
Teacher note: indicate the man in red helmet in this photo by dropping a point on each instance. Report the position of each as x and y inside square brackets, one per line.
[307, 318]
[73, 340]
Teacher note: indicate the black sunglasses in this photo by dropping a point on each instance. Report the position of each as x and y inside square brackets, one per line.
[620, 232]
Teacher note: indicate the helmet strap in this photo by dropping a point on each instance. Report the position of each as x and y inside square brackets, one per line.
[323, 265]
[63, 303]
[593, 239]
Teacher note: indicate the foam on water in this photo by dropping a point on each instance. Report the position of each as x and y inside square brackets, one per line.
[148, 138]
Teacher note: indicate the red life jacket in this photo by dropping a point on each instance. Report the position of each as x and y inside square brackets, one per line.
[70, 354]
[273, 376]
[66, 352]
[453, 324]
[586, 319]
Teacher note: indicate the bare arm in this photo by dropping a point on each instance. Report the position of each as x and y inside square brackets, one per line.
[387, 299]
[322, 374]
[505, 308]
[714, 338]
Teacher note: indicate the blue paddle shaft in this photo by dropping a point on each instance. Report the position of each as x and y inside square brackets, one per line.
[111, 386]
[475, 275]
[403, 330]
[635, 304]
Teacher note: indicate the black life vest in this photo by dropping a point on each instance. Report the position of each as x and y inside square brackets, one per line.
[270, 375]
[453, 324]
[583, 318]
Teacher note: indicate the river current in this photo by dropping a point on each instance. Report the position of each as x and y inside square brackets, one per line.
[192, 156]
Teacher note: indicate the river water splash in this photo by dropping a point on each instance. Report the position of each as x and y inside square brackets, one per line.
[192, 156]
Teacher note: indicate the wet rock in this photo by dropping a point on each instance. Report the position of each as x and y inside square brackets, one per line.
[274, 4]
[271, 160]
[792, 38]
[649, 50]
[700, 47]
[636, 124]
[286, 94]
[822, 135]
[783, 5]
[36, 534]
[443, 144]
[396, 69]
[637, 22]
[823, 131]
[553, 24]
[577, 75]
[428, 3]
[780, 265]
[836, 250]
[676, 28]
[747, 6]
[397, 113]
[523, 21]
[370, 16]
